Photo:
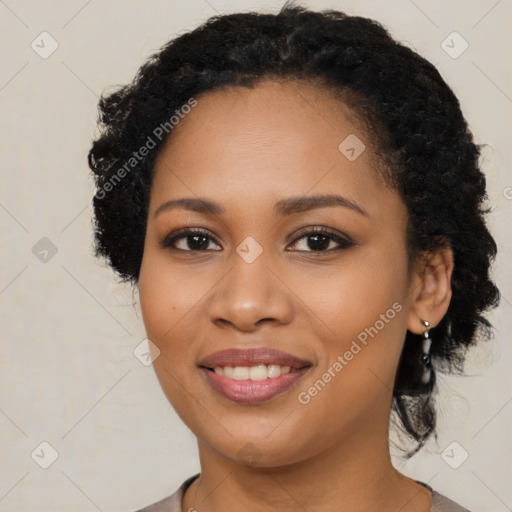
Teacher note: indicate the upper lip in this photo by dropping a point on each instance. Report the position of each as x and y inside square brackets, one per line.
[252, 357]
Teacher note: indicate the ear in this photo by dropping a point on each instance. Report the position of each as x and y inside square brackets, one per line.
[431, 289]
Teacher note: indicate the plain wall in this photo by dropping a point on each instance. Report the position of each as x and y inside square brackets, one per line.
[68, 375]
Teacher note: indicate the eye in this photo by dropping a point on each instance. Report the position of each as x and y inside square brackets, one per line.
[188, 239]
[319, 239]
[316, 240]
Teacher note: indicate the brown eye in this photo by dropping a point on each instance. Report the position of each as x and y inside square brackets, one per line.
[322, 240]
[189, 240]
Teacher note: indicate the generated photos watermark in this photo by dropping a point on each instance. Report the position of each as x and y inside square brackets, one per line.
[304, 397]
[151, 142]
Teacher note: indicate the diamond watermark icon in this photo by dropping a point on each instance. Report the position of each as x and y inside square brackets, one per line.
[454, 45]
[454, 455]
[44, 455]
[44, 45]
[351, 147]
[44, 250]
[249, 454]
[146, 352]
[249, 249]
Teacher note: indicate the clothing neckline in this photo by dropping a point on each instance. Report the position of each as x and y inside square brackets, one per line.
[190, 480]
[425, 485]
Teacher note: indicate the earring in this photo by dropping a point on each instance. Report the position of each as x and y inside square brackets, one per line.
[425, 359]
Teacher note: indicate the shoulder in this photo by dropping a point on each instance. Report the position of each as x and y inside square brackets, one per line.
[173, 502]
[441, 503]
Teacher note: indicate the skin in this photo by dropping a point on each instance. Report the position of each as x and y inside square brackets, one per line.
[246, 149]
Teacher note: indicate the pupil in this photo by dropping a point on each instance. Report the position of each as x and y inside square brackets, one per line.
[194, 246]
[320, 242]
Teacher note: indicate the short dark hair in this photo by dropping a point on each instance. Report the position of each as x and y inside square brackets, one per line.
[422, 137]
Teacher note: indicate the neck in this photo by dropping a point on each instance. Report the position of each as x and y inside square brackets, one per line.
[355, 474]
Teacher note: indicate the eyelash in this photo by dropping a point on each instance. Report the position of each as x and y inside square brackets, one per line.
[343, 242]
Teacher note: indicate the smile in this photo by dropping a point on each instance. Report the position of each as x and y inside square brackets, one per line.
[253, 375]
[248, 391]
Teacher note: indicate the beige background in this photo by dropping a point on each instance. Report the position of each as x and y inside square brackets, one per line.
[68, 375]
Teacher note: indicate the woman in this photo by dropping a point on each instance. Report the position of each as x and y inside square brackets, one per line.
[297, 198]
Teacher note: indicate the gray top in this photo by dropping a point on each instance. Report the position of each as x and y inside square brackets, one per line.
[173, 503]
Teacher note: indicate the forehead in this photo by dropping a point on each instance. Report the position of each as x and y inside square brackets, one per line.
[274, 139]
[278, 114]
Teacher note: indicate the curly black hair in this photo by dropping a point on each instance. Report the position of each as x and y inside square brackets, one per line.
[414, 120]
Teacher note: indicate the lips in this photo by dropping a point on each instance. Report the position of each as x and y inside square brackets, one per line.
[252, 376]
[252, 357]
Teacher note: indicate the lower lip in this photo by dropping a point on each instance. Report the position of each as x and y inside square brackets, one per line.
[252, 391]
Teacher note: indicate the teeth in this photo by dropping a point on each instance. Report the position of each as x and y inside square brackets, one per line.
[274, 370]
[240, 373]
[258, 372]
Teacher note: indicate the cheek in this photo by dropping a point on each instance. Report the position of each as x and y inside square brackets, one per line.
[360, 313]
[352, 296]
[166, 300]
[167, 296]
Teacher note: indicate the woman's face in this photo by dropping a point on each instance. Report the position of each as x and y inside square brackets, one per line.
[255, 275]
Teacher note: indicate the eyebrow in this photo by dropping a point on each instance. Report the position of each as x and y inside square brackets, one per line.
[283, 207]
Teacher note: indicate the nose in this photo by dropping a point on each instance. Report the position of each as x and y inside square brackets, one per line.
[249, 295]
